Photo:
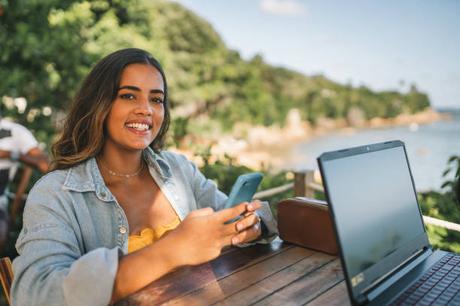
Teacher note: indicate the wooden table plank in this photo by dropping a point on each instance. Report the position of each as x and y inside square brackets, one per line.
[240, 280]
[308, 287]
[189, 279]
[336, 296]
[278, 280]
[275, 274]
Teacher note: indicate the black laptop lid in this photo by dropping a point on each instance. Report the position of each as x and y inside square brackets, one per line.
[376, 214]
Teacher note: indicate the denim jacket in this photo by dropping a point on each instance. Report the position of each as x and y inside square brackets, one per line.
[74, 229]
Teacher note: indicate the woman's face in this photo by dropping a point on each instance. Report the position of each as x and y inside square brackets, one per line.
[138, 110]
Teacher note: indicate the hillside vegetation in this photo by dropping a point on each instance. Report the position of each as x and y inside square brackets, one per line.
[48, 46]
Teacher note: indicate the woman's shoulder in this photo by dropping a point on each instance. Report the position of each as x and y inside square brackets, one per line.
[52, 177]
[177, 161]
[173, 162]
[56, 189]
[174, 157]
[46, 190]
[60, 178]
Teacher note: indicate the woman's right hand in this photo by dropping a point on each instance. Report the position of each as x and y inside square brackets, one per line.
[198, 239]
[203, 234]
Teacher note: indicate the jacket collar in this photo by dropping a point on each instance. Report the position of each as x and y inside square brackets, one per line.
[87, 177]
[158, 162]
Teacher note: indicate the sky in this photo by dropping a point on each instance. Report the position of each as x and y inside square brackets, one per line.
[385, 45]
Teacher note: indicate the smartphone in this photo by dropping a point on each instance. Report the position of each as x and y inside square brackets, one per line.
[244, 189]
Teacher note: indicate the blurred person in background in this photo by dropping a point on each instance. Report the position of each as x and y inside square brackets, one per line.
[17, 145]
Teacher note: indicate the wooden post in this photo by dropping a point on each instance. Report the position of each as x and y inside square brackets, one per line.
[299, 184]
[309, 179]
[302, 184]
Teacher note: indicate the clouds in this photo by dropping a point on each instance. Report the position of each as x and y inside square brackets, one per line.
[283, 7]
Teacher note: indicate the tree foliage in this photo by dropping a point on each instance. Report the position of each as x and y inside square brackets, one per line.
[48, 46]
[444, 205]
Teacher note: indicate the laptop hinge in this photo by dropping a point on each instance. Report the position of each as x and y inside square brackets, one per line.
[384, 282]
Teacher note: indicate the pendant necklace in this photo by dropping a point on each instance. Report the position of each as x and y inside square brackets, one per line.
[126, 176]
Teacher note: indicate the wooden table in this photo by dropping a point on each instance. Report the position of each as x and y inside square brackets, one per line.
[275, 274]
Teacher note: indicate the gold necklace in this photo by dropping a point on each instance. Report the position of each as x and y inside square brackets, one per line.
[127, 176]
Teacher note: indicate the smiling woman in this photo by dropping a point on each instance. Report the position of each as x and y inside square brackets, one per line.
[118, 212]
[138, 110]
[83, 134]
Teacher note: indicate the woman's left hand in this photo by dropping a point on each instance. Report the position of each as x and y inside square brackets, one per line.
[248, 227]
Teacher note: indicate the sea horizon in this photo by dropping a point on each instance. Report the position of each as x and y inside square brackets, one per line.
[429, 147]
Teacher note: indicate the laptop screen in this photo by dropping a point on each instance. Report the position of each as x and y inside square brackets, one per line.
[374, 204]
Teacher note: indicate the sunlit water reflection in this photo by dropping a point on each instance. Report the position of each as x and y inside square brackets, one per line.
[428, 146]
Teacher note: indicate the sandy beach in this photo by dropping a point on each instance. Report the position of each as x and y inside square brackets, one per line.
[267, 148]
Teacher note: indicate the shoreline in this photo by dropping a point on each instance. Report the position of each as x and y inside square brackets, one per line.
[268, 148]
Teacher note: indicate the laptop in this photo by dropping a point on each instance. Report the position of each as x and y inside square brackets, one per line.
[384, 248]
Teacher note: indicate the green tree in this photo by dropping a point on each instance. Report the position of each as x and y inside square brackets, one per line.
[48, 46]
[444, 205]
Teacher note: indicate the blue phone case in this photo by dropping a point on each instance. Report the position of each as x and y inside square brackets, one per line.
[244, 189]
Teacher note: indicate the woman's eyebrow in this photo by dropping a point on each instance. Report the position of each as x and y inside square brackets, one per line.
[135, 88]
[157, 91]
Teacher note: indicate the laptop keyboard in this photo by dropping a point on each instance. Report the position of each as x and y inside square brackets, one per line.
[438, 286]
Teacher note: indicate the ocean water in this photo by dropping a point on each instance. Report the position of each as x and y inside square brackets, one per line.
[428, 147]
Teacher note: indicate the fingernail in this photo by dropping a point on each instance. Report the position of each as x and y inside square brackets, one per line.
[235, 240]
[250, 207]
[239, 227]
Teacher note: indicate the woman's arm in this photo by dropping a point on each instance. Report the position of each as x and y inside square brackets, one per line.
[52, 268]
[198, 239]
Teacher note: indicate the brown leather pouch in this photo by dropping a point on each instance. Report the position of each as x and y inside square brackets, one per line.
[307, 222]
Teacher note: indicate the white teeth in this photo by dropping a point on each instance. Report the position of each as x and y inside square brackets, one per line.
[138, 126]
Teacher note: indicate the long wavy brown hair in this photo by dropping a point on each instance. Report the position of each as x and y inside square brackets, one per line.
[84, 134]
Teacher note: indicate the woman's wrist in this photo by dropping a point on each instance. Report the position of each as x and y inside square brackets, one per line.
[168, 250]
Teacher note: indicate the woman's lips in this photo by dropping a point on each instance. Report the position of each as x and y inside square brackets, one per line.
[141, 127]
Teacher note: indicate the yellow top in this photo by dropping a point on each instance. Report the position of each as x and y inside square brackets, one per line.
[149, 235]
